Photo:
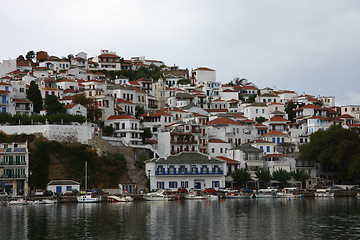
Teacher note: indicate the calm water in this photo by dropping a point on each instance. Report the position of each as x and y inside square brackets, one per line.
[337, 218]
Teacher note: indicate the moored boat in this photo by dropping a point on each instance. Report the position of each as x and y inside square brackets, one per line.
[116, 199]
[19, 201]
[323, 193]
[289, 193]
[159, 195]
[89, 197]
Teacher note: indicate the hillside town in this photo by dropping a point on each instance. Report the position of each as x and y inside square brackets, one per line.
[199, 129]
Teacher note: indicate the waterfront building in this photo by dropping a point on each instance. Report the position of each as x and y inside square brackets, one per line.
[189, 170]
[14, 168]
[62, 186]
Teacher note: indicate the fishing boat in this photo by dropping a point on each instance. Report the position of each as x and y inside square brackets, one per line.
[265, 195]
[159, 195]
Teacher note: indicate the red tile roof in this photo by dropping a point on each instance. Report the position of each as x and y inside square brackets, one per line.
[223, 121]
[204, 69]
[229, 161]
[278, 119]
[120, 117]
[216, 140]
[274, 133]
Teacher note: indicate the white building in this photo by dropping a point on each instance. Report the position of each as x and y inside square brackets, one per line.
[61, 186]
[126, 127]
[14, 168]
[189, 170]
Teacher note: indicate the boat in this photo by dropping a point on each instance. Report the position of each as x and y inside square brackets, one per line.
[195, 195]
[265, 195]
[212, 197]
[159, 195]
[243, 193]
[50, 201]
[88, 196]
[115, 199]
[19, 201]
[323, 193]
[289, 193]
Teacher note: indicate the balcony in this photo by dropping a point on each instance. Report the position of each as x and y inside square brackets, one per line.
[14, 163]
[22, 108]
[20, 176]
[184, 142]
[178, 173]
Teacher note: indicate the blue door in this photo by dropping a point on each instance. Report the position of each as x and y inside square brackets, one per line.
[197, 185]
[58, 189]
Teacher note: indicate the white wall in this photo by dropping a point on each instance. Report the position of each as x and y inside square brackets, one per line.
[60, 133]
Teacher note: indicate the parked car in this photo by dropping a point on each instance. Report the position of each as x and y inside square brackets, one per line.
[225, 190]
[39, 192]
[3, 194]
[209, 191]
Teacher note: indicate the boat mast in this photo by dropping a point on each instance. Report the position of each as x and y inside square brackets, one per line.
[86, 177]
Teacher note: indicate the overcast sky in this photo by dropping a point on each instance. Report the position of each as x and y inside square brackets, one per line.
[310, 46]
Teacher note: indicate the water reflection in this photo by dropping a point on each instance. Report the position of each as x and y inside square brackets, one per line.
[336, 218]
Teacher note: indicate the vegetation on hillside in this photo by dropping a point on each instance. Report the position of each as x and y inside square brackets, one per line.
[153, 72]
[336, 146]
[23, 119]
[50, 160]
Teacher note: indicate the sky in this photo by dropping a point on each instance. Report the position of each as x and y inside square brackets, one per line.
[309, 46]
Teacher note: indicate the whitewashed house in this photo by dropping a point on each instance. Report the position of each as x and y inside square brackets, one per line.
[62, 186]
[76, 109]
[189, 170]
[126, 127]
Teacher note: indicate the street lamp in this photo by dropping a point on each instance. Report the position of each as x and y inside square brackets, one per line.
[149, 179]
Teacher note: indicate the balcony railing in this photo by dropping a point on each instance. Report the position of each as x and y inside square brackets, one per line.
[13, 176]
[178, 173]
[14, 163]
[22, 108]
[184, 142]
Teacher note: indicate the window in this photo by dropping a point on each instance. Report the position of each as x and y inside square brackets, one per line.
[215, 184]
[268, 149]
[213, 150]
[185, 184]
[182, 169]
[171, 169]
[204, 169]
[221, 151]
[173, 184]
[193, 169]
[160, 185]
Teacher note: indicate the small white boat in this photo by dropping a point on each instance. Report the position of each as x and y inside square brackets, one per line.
[323, 193]
[88, 198]
[289, 193]
[36, 202]
[212, 197]
[265, 195]
[195, 195]
[50, 201]
[115, 199]
[237, 195]
[159, 195]
[19, 201]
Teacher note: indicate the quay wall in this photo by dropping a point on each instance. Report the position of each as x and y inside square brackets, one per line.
[61, 133]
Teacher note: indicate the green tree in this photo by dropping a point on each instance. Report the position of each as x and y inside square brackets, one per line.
[147, 134]
[289, 109]
[108, 131]
[93, 113]
[336, 146]
[30, 55]
[33, 94]
[300, 175]
[138, 111]
[241, 177]
[53, 106]
[264, 177]
[260, 119]
[282, 176]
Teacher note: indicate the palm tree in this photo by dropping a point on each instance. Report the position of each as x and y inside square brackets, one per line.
[282, 176]
[301, 176]
[264, 176]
